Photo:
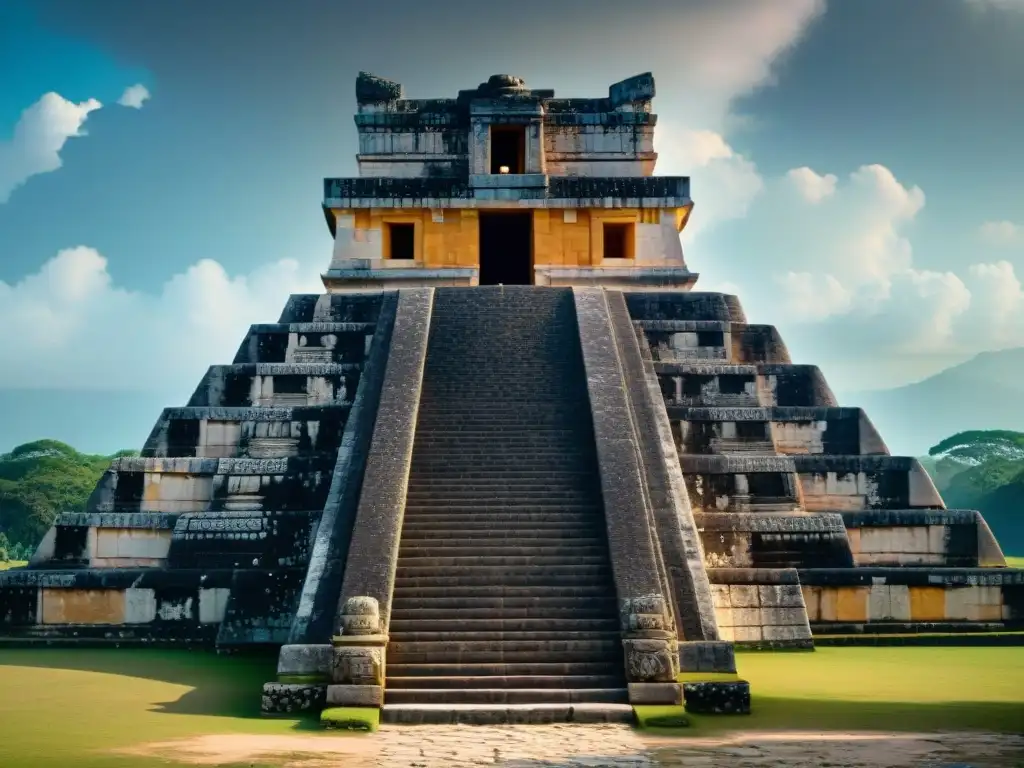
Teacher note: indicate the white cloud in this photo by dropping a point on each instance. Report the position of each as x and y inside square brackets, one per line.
[847, 287]
[1002, 233]
[731, 49]
[134, 96]
[77, 329]
[811, 186]
[38, 138]
[729, 182]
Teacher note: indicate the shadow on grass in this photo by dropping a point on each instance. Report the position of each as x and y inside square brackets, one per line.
[221, 685]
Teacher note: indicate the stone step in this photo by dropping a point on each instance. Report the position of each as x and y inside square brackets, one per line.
[534, 682]
[502, 473]
[530, 496]
[611, 667]
[511, 478]
[500, 636]
[541, 604]
[456, 463]
[504, 714]
[413, 616]
[525, 561]
[491, 537]
[554, 524]
[498, 511]
[490, 589]
[474, 651]
[503, 695]
[413, 550]
[508, 576]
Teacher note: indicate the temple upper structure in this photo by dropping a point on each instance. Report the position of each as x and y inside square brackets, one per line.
[506, 185]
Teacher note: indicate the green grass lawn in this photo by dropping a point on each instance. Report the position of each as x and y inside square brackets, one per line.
[5, 564]
[64, 707]
[1015, 562]
[890, 688]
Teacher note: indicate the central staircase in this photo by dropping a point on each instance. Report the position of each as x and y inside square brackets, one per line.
[504, 607]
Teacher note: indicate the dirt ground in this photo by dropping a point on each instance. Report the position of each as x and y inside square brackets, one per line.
[578, 746]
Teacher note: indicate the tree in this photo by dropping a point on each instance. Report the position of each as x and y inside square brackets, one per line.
[38, 481]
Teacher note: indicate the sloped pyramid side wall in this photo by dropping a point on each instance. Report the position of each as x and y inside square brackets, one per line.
[794, 493]
[206, 537]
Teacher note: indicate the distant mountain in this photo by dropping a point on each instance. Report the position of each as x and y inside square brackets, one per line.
[984, 470]
[986, 392]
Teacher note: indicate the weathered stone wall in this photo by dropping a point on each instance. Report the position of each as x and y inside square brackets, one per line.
[411, 138]
[761, 607]
[781, 477]
[901, 599]
[128, 604]
[445, 239]
[219, 513]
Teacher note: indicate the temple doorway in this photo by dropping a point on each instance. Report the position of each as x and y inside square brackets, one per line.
[506, 248]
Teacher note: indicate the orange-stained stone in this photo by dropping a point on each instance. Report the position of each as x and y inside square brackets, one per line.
[852, 603]
[927, 603]
[83, 606]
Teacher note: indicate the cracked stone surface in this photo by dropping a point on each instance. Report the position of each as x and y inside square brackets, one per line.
[586, 746]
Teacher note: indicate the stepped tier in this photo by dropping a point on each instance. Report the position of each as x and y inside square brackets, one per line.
[537, 490]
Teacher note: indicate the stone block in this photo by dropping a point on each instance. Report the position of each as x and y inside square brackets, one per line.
[355, 695]
[812, 600]
[985, 613]
[139, 606]
[899, 602]
[828, 604]
[786, 634]
[744, 596]
[655, 693]
[358, 665]
[746, 617]
[783, 616]
[650, 660]
[213, 604]
[878, 603]
[927, 603]
[288, 698]
[305, 660]
[706, 656]
[720, 596]
[724, 617]
[732, 698]
[747, 634]
[852, 604]
[83, 606]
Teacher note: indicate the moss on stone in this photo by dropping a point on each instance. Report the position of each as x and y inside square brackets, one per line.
[707, 677]
[302, 679]
[351, 718]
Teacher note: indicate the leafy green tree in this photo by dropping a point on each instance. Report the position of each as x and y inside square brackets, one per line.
[38, 481]
[984, 470]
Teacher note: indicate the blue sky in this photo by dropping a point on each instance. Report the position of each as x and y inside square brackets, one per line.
[856, 168]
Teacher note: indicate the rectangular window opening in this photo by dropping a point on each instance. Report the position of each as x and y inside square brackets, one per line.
[508, 149]
[402, 239]
[616, 240]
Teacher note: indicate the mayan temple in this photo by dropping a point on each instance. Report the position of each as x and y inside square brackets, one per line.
[510, 466]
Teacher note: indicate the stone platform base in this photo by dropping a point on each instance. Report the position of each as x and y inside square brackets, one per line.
[293, 698]
[482, 714]
[717, 698]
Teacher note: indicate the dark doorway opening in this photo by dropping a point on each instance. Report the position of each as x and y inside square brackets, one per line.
[506, 248]
[403, 241]
[616, 240]
[508, 149]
